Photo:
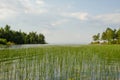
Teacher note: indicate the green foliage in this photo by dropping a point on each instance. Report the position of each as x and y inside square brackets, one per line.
[95, 42]
[3, 41]
[109, 36]
[19, 37]
[10, 43]
[103, 36]
[118, 36]
[96, 37]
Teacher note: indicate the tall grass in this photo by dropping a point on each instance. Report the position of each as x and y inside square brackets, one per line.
[90, 62]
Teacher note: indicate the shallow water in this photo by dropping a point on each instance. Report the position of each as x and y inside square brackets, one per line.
[55, 65]
[37, 45]
[55, 68]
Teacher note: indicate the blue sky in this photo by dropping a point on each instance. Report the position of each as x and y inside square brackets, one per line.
[61, 21]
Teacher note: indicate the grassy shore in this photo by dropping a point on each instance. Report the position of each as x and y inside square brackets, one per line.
[86, 62]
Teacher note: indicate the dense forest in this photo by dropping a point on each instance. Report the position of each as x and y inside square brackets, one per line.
[8, 36]
[109, 36]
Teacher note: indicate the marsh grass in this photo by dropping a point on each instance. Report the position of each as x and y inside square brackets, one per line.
[89, 62]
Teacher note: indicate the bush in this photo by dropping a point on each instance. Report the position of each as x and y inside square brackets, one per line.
[3, 41]
[96, 42]
[114, 42]
[10, 43]
[104, 42]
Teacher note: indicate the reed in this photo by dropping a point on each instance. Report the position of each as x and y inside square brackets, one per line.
[87, 62]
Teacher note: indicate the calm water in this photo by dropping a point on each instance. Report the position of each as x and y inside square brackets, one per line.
[38, 45]
[27, 46]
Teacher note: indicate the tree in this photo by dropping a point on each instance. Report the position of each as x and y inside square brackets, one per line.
[104, 36]
[41, 39]
[3, 41]
[2, 33]
[114, 34]
[118, 36]
[19, 37]
[7, 28]
[96, 37]
[109, 35]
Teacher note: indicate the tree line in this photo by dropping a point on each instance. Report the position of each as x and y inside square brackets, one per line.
[109, 36]
[11, 36]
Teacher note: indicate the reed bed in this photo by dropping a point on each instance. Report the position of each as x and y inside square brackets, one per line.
[86, 62]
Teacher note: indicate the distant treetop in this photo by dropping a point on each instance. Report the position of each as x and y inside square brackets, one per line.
[19, 37]
[109, 36]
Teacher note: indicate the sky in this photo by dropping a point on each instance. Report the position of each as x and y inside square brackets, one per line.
[61, 21]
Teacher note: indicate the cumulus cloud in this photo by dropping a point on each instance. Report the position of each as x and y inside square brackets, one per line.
[108, 18]
[78, 15]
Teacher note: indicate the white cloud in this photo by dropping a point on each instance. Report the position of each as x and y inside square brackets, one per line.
[11, 8]
[56, 23]
[40, 2]
[81, 16]
[108, 18]
[7, 10]
[104, 18]
[78, 15]
[6, 13]
[34, 11]
[33, 8]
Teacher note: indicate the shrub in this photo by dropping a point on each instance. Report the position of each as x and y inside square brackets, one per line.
[10, 43]
[3, 41]
[96, 42]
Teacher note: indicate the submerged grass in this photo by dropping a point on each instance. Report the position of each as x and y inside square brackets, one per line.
[87, 62]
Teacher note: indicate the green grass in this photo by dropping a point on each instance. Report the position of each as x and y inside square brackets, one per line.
[86, 62]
